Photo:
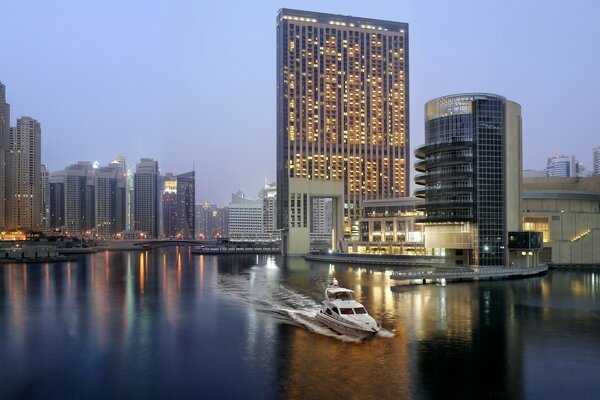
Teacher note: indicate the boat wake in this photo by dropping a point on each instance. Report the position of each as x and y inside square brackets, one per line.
[290, 306]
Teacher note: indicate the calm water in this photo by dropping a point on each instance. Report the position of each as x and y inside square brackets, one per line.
[166, 323]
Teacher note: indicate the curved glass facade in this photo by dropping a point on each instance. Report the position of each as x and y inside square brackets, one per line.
[462, 170]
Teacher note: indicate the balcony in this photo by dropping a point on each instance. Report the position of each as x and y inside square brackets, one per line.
[427, 149]
[423, 179]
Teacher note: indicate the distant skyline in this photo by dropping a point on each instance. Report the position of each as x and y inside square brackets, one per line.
[192, 83]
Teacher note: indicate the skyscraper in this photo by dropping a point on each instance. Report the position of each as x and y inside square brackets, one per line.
[186, 199]
[57, 218]
[126, 173]
[597, 160]
[169, 205]
[561, 166]
[146, 197]
[80, 199]
[4, 134]
[45, 176]
[111, 200]
[342, 111]
[471, 166]
[23, 176]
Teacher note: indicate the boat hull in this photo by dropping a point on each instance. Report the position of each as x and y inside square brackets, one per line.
[344, 328]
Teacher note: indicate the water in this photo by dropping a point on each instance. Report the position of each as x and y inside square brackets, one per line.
[166, 323]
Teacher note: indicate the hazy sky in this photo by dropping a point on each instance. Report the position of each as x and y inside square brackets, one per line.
[191, 82]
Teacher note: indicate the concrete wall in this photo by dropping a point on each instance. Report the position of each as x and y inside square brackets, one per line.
[296, 239]
[514, 165]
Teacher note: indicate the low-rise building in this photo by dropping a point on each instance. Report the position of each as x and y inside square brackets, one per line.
[567, 212]
[388, 227]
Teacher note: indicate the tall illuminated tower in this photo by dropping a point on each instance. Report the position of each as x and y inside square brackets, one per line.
[342, 110]
[23, 175]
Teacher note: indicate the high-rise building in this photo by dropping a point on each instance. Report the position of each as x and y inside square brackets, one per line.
[57, 218]
[268, 195]
[111, 199]
[321, 220]
[126, 173]
[186, 199]
[205, 220]
[4, 135]
[560, 166]
[342, 113]
[80, 199]
[597, 160]
[169, 206]
[471, 170]
[23, 175]
[45, 175]
[211, 221]
[245, 218]
[147, 197]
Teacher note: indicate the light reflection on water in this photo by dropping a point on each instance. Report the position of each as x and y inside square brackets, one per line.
[168, 323]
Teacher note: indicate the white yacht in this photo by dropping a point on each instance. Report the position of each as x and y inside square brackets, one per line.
[344, 315]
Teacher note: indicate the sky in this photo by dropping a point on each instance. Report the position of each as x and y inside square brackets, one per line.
[191, 83]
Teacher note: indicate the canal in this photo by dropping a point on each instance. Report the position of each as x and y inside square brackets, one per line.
[167, 323]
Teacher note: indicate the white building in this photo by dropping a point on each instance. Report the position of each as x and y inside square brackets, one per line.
[597, 160]
[321, 224]
[245, 218]
[253, 220]
[565, 167]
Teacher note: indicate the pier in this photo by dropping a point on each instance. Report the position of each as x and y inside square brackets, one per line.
[480, 273]
[375, 259]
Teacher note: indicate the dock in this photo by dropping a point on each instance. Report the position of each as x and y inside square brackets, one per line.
[375, 259]
[480, 273]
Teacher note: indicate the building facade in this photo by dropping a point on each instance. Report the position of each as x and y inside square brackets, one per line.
[23, 175]
[147, 197]
[342, 112]
[470, 168]
[596, 152]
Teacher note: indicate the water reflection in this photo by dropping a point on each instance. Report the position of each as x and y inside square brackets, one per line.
[168, 323]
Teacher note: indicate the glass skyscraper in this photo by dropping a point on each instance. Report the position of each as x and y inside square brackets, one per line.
[342, 109]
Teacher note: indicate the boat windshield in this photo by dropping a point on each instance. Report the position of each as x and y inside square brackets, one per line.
[346, 311]
[360, 310]
[341, 296]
